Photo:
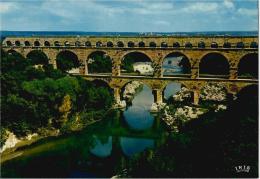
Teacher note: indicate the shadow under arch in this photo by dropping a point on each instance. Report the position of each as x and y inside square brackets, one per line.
[99, 62]
[137, 63]
[214, 65]
[101, 83]
[38, 57]
[68, 61]
[248, 66]
[246, 103]
[176, 63]
[14, 53]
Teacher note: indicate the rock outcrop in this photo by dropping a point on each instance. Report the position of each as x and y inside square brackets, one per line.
[120, 104]
[213, 92]
[156, 107]
[10, 142]
[183, 94]
[130, 90]
[181, 115]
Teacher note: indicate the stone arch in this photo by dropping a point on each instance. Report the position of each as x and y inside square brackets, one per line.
[38, 57]
[240, 45]
[14, 52]
[77, 44]
[177, 63]
[99, 62]
[214, 64]
[88, 44]
[248, 66]
[201, 44]
[57, 43]
[253, 45]
[141, 44]
[67, 43]
[124, 84]
[214, 45]
[47, 43]
[99, 44]
[176, 45]
[131, 44]
[143, 63]
[120, 44]
[110, 44]
[27, 43]
[152, 44]
[37, 43]
[9, 43]
[17, 43]
[102, 82]
[164, 44]
[188, 45]
[227, 45]
[67, 61]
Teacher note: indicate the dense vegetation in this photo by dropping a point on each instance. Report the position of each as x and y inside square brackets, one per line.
[127, 64]
[35, 97]
[101, 63]
[66, 60]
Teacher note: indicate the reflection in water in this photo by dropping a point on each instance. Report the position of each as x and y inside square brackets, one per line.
[171, 89]
[131, 146]
[138, 116]
[102, 149]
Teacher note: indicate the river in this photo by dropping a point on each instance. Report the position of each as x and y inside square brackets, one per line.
[97, 151]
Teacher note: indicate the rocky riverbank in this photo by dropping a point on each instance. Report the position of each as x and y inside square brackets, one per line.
[11, 142]
[131, 89]
[176, 115]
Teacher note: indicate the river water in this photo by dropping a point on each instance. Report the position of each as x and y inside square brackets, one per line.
[97, 151]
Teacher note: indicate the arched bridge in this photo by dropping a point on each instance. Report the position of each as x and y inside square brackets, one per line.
[236, 52]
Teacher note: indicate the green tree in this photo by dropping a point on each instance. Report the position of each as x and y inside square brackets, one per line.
[100, 64]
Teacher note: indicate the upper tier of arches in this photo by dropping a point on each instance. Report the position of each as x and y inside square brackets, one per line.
[130, 44]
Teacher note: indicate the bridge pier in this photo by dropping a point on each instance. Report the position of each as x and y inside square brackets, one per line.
[158, 100]
[194, 73]
[196, 97]
[233, 73]
[116, 67]
[158, 96]
[117, 97]
[158, 72]
[85, 67]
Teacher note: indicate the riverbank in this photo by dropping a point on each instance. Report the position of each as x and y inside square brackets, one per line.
[14, 143]
[179, 110]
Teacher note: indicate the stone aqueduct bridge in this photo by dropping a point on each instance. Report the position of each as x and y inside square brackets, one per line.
[156, 48]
